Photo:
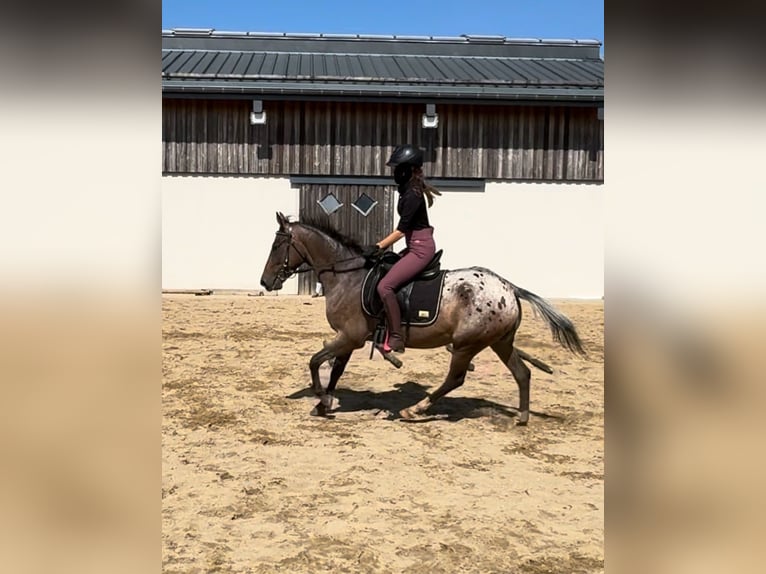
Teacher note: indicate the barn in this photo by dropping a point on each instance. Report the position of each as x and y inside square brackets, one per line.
[512, 129]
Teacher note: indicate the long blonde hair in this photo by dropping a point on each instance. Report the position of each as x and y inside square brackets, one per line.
[420, 185]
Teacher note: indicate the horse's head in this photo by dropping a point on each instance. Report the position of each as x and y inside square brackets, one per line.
[284, 257]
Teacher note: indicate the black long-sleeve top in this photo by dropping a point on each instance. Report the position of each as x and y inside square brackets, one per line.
[413, 214]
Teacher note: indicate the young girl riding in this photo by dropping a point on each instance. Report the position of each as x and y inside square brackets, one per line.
[415, 228]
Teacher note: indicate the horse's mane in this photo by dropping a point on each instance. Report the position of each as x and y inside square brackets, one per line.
[323, 225]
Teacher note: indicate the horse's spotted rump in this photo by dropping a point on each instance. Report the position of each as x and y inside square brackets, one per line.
[464, 291]
[491, 294]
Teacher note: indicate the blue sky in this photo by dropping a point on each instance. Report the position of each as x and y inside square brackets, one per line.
[531, 18]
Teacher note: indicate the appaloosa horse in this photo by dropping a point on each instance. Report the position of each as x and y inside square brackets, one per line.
[478, 309]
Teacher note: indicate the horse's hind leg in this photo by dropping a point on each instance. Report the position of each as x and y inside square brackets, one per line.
[458, 367]
[471, 366]
[511, 359]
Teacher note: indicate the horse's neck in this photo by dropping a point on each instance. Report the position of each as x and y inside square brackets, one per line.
[319, 249]
[325, 255]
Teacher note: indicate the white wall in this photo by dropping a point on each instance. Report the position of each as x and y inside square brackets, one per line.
[545, 237]
[217, 231]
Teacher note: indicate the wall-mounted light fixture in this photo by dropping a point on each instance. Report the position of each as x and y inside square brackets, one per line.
[430, 118]
[257, 116]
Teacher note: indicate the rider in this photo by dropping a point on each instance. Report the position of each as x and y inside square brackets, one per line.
[413, 225]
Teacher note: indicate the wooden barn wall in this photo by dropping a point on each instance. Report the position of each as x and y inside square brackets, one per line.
[366, 230]
[347, 138]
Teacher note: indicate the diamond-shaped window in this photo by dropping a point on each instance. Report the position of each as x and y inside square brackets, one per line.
[364, 204]
[330, 203]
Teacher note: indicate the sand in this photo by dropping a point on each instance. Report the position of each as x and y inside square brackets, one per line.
[252, 483]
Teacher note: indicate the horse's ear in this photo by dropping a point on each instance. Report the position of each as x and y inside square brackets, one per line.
[281, 219]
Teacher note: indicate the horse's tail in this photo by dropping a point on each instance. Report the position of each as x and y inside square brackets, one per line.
[562, 328]
[534, 362]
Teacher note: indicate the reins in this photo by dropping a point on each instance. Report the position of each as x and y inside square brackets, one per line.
[286, 272]
[336, 271]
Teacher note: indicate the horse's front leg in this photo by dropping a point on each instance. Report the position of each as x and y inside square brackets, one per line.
[339, 349]
[339, 365]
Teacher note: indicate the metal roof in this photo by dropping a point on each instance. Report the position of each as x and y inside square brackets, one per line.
[205, 61]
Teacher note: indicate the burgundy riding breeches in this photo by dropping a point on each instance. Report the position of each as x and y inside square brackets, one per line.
[420, 251]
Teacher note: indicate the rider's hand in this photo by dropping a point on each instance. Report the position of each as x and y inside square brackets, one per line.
[371, 251]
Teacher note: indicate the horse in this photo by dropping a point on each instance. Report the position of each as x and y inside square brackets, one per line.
[478, 309]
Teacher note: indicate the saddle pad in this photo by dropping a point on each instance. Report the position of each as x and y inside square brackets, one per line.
[425, 298]
[418, 300]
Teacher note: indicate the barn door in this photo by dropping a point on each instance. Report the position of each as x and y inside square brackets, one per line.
[346, 218]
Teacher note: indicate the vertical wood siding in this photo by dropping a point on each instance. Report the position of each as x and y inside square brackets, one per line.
[348, 138]
[366, 230]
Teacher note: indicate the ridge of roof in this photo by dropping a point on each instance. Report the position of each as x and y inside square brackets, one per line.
[462, 39]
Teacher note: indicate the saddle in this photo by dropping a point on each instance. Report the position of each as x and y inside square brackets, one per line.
[418, 299]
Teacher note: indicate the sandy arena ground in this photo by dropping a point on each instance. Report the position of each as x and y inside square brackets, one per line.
[252, 483]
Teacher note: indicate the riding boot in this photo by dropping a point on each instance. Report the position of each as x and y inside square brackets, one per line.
[394, 323]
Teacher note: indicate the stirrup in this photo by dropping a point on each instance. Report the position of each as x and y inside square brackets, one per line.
[387, 348]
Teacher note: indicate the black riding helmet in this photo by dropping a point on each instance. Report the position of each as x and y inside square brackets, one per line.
[406, 155]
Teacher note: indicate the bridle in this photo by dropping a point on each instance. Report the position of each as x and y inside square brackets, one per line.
[285, 272]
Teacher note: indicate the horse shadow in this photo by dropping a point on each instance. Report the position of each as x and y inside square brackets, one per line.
[406, 394]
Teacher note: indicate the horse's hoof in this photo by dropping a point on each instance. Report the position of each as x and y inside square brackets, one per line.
[523, 419]
[408, 414]
[319, 410]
